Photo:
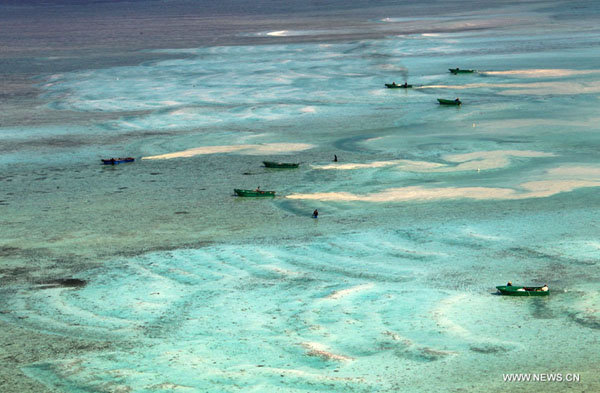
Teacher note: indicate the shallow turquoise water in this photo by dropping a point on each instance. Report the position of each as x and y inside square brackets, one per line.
[391, 289]
[355, 312]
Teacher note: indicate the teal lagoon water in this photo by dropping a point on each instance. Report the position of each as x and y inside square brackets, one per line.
[393, 287]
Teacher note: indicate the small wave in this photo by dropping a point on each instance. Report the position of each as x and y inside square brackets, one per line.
[291, 33]
[281, 33]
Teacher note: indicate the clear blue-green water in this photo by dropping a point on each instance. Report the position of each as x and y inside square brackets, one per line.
[429, 207]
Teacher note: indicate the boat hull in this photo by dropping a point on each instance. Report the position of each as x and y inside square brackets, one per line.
[514, 291]
[393, 86]
[281, 165]
[254, 193]
[459, 71]
[448, 102]
[118, 161]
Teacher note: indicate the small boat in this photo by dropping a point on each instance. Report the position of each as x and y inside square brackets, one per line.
[254, 193]
[395, 86]
[459, 71]
[512, 290]
[113, 161]
[449, 102]
[284, 165]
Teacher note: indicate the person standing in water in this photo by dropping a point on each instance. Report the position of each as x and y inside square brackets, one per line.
[315, 214]
[334, 158]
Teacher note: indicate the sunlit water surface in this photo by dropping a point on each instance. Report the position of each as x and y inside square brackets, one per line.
[391, 288]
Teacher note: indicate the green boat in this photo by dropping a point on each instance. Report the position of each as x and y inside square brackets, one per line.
[254, 193]
[522, 291]
[283, 165]
[459, 71]
[449, 102]
[395, 86]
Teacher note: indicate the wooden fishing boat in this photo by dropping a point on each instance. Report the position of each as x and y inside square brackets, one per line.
[522, 291]
[459, 71]
[254, 193]
[449, 102]
[282, 165]
[395, 86]
[113, 161]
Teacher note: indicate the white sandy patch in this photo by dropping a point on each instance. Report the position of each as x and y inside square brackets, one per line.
[546, 188]
[348, 291]
[557, 88]
[533, 189]
[490, 159]
[421, 166]
[197, 151]
[483, 85]
[563, 179]
[249, 149]
[320, 350]
[376, 164]
[480, 160]
[413, 193]
[552, 182]
[579, 172]
[407, 165]
[277, 148]
[454, 87]
[542, 73]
